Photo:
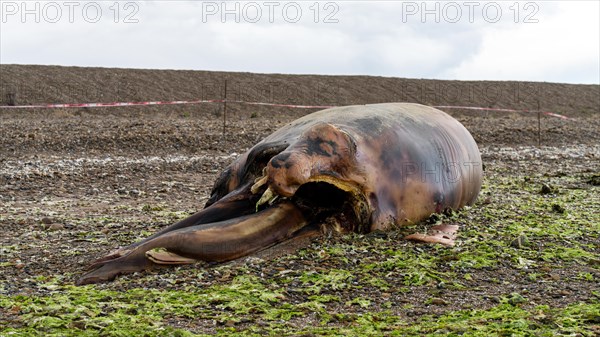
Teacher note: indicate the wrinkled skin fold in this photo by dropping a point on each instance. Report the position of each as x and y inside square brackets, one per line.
[356, 168]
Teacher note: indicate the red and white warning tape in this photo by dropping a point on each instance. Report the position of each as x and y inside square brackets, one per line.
[121, 104]
[116, 104]
[103, 105]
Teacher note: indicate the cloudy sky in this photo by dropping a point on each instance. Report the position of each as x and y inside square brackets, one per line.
[553, 41]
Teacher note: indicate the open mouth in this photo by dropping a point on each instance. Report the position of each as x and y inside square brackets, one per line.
[333, 204]
[248, 220]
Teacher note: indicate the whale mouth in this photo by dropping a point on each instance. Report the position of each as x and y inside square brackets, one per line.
[245, 221]
[321, 197]
[325, 198]
[337, 205]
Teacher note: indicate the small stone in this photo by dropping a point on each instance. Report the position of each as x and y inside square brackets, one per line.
[565, 293]
[558, 208]
[516, 298]
[438, 301]
[520, 242]
[55, 227]
[547, 189]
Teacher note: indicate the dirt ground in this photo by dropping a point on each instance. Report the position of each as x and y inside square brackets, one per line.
[76, 184]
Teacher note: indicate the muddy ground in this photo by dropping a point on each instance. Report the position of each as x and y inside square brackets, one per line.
[75, 185]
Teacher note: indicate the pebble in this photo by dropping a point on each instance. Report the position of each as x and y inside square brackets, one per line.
[558, 208]
[547, 189]
[521, 242]
[516, 298]
[438, 301]
[55, 227]
[565, 292]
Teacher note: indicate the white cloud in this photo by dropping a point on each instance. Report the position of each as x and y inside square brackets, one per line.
[374, 38]
[564, 46]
